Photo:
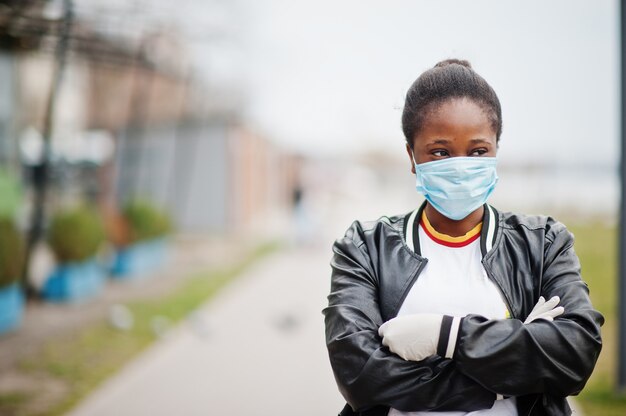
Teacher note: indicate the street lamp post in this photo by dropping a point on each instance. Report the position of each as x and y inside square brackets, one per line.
[621, 378]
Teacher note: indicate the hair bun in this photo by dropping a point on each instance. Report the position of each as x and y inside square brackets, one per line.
[451, 61]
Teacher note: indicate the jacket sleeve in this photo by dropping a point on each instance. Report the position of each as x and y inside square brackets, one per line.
[556, 357]
[367, 373]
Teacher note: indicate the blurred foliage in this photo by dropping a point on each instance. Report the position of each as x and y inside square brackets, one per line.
[596, 246]
[23, 42]
[145, 221]
[18, 32]
[11, 252]
[76, 234]
[10, 194]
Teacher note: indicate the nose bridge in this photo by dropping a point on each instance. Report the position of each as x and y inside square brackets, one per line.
[459, 171]
[457, 147]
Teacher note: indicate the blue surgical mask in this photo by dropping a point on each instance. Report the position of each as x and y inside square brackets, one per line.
[457, 186]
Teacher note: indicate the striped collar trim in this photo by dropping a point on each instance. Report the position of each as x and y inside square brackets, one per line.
[447, 240]
[488, 232]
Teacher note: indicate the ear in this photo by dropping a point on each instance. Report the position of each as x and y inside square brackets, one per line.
[411, 158]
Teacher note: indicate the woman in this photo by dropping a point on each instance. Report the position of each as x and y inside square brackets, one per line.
[442, 311]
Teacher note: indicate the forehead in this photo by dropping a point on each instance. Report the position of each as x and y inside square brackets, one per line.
[456, 118]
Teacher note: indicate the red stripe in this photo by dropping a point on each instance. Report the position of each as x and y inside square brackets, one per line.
[448, 243]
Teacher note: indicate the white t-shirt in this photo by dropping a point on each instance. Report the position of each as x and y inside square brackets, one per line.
[454, 282]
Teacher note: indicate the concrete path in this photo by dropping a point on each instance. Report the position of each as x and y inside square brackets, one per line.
[258, 349]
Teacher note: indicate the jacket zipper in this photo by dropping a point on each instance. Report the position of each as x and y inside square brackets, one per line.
[424, 260]
[504, 297]
[508, 305]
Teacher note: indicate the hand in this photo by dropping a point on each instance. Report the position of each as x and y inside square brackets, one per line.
[412, 337]
[545, 310]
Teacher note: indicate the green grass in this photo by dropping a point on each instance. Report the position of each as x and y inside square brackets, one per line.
[84, 360]
[10, 403]
[596, 247]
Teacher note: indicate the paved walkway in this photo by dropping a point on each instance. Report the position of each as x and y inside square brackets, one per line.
[44, 321]
[257, 349]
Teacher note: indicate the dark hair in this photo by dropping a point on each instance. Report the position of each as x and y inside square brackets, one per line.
[451, 78]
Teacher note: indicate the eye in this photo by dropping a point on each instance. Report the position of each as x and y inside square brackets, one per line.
[440, 153]
[478, 152]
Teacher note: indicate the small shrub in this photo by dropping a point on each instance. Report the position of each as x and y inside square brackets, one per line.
[145, 221]
[11, 252]
[75, 234]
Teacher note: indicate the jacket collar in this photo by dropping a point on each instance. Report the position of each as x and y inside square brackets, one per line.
[487, 234]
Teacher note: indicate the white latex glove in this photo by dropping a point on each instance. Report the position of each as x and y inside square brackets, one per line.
[412, 337]
[545, 310]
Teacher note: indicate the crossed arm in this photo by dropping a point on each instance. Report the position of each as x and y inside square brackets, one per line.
[367, 373]
[418, 336]
[490, 356]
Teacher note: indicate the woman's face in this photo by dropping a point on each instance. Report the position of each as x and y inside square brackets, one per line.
[459, 127]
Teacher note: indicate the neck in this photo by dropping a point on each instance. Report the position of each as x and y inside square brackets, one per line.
[453, 228]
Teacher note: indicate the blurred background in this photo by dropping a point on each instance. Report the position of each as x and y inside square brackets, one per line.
[173, 175]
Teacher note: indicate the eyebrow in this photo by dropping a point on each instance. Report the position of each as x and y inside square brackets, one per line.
[480, 140]
[446, 141]
[440, 141]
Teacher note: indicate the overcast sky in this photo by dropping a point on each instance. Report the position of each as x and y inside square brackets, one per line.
[330, 76]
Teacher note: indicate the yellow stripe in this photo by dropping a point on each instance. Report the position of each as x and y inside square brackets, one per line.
[448, 238]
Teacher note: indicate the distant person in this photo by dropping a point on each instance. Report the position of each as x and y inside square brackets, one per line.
[457, 308]
[302, 221]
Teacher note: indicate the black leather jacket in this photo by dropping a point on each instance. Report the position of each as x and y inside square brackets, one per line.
[540, 363]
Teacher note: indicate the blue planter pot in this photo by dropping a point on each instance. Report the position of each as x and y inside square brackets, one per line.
[71, 282]
[140, 259]
[11, 307]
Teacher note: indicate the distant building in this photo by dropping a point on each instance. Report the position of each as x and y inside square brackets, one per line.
[174, 143]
